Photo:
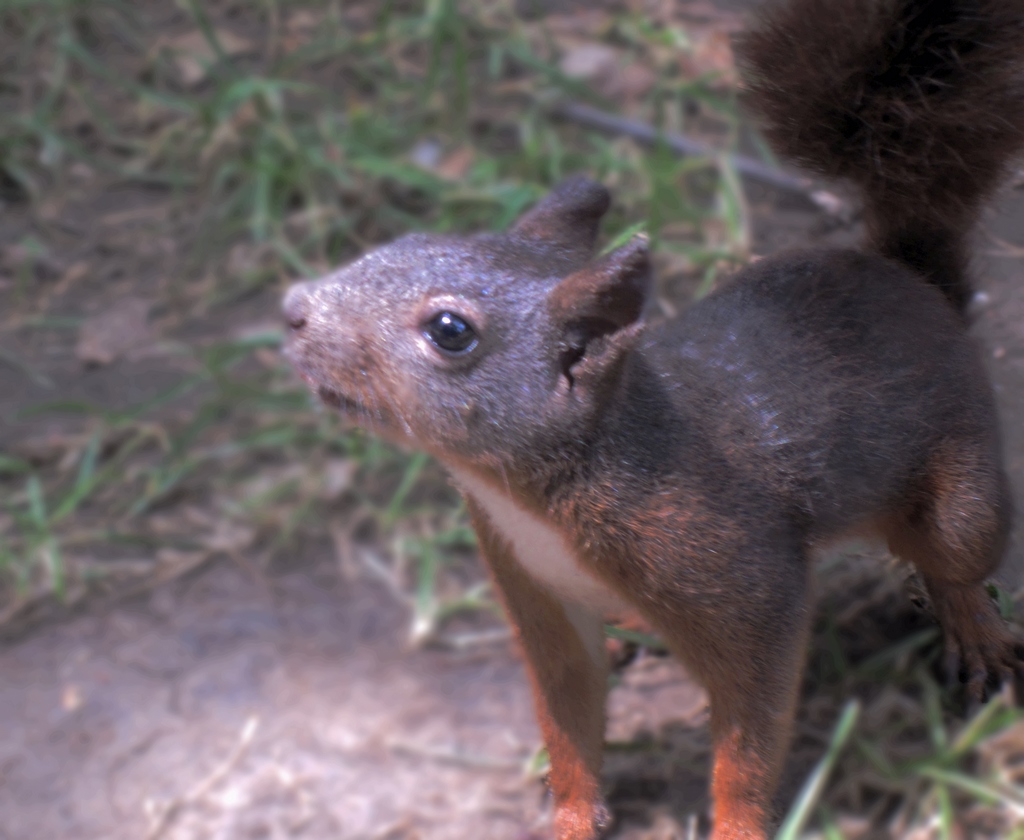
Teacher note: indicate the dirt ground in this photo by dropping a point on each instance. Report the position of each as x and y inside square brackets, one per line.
[241, 703]
[225, 706]
[231, 704]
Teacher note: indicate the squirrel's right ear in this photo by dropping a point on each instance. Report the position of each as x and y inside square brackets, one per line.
[568, 216]
[599, 307]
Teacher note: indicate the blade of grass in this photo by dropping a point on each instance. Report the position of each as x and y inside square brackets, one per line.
[635, 636]
[980, 790]
[815, 784]
[84, 481]
[411, 475]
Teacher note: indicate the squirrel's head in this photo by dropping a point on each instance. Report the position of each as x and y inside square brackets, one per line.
[478, 349]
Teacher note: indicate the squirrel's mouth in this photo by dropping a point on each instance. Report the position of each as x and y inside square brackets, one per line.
[354, 411]
[310, 370]
[371, 417]
[327, 394]
[364, 410]
[338, 400]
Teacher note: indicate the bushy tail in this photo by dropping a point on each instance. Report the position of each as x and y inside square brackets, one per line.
[919, 102]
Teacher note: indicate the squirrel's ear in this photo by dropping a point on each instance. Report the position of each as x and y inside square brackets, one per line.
[608, 294]
[568, 216]
[598, 309]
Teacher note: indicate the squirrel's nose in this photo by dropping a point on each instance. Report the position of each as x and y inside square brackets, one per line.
[295, 306]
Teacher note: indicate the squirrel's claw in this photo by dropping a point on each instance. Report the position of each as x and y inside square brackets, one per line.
[986, 658]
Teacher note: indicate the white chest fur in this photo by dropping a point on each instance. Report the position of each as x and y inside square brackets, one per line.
[541, 549]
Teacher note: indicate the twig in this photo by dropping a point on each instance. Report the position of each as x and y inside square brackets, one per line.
[474, 638]
[380, 570]
[447, 755]
[12, 359]
[170, 810]
[687, 146]
[1005, 249]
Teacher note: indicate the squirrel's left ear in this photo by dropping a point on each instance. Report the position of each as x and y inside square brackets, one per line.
[600, 306]
[568, 217]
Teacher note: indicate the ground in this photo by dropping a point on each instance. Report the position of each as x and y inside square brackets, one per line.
[198, 675]
[225, 705]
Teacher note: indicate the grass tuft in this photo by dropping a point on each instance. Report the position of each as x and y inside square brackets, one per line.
[267, 142]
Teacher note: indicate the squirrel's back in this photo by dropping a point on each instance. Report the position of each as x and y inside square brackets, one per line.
[920, 103]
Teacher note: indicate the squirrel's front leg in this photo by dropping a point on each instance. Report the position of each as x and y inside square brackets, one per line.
[568, 669]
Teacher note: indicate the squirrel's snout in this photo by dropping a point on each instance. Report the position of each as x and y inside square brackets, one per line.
[295, 306]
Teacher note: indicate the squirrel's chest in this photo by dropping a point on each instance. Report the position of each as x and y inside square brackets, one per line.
[541, 549]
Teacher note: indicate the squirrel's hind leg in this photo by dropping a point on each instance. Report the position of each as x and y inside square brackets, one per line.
[955, 535]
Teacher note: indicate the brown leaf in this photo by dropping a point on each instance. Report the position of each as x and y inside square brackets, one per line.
[636, 80]
[591, 62]
[706, 14]
[114, 332]
[304, 20]
[338, 475]
[44, 450]
[592, 23]
[228, 537]
[194, 55]
[455, 165]
[75, 273]
[20, 258]
[711, 55]
[604, 68]
[172, 563]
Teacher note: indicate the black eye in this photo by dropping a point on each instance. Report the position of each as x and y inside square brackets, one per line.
[451, 333]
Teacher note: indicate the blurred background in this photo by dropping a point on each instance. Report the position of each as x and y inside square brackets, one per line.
[222, 615]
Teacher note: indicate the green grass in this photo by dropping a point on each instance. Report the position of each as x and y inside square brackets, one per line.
[904, 758]
[318, 138]
[290, 153]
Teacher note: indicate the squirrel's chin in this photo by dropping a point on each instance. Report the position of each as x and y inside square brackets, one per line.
[332, 397]
[357, 414]
[335, 399]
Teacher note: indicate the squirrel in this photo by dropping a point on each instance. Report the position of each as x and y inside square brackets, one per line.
[689, 469]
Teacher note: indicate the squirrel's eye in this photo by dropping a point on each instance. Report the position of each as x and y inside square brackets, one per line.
[451, 333]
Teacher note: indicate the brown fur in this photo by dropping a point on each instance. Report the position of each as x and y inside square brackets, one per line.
[888, 93]
[692, 467]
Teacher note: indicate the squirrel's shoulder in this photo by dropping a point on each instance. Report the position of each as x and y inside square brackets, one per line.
[786, 315]
[802, 284]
